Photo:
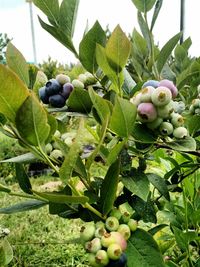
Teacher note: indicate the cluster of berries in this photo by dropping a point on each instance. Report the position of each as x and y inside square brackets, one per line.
[158, 110]
[195, 105]
[106, 242]
[57, 91]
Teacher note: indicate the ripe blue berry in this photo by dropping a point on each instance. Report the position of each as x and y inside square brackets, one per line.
[66, 90]
[53, 87]
[57, 101]
[43, 96]
[153, 83]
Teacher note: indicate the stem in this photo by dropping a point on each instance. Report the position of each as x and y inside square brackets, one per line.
[27, 196]
[92, 209]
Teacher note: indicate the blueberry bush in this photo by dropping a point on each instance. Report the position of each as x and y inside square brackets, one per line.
[130, 165]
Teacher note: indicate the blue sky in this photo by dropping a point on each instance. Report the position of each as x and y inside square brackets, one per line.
[15, 21]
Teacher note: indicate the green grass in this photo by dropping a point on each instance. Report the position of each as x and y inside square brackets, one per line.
[40, 239]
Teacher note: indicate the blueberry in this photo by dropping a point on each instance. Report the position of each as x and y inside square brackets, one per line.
[43, 96]
[53, 87]
[57, 101]
[121, 262]
[153, 83]
[66, 90]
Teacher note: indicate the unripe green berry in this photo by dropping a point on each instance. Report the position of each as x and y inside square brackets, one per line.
[82, 77]
[132, 224]
[136, 99]
[116, 213]
[100, 224]
[165, 111]
[56, 154]
[196, 102]
[126, 216]
[93, 246]
[177, 120]
[77, 84]
[57, 134]
[197, 111]
[63, 78]
[48, 148]
[124, 230]
[90, 79]
[180, 132]
[146, 94]
[101, 257]
[119, 239]
[92, 260]
[114, 251]
[100, 231]
[155, 124]
[87, 232]
[112, 223]
[166, 128]
[161, 96]
[107, 239]
[170, 85]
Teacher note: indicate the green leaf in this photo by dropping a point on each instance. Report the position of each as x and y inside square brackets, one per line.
[166, 51]
[145, 30]
[144, 5]
[17, 63]
[114, 152]
[137, 183]
[102, 106]
[68, 15]
[159, 183]
[123, 117]
[31, 121]
[53, 123]
[157, 8]
[73, 154]
[193, 124]
[59, 36]
[109, 188]
[87, 47]
[79, 101]
[157, 228]
[118, 49]
[50, 9]
[102, 61]
[129, 83]
[6, 252]
[139, 45]
[60, 198]
[186, 144]
[22, 178]
[143, 251]
[143, 134]
[13, 93]
[23, 206]
[181, 238]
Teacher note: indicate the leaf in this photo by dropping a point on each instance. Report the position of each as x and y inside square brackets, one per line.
[181, 238]
[13, 93]
[137, 183]
[60, 198]
[106, 68]
[123, 117]
[157, 228]
[50, 9]
[79, 101]
[114, 152]
[157, 8]
[67, 16]
[87, 47]
[186, 144]
[23, 206]
[118, 49]
[6, 252]
[73, 154]
[31, 121]
[17, 63]
[143, 134]
[109, 188]
[59, 36]
[159, 183]
[25, 158]
[144, 5]
[166, 51]
[193, 124]
[145, 30]
[22, 178]
[143, 251]
[129, 83]
[102, 106]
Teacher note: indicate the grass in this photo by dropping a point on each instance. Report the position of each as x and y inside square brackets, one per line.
[40, 239]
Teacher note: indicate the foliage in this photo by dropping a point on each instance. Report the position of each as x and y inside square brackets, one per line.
[152, 169]
[4, 40]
